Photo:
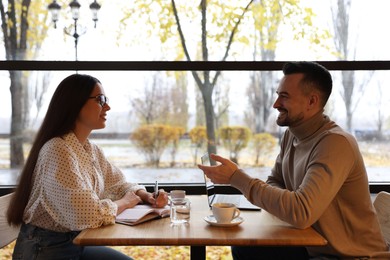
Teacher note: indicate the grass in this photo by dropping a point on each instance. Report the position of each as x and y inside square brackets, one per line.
[152, 252]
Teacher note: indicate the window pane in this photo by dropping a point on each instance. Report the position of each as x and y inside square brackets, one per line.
[177, 102]
[268, 30]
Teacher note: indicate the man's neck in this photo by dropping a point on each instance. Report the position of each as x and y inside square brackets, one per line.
[308, 127]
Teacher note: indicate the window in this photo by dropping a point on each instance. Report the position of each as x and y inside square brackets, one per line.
[107, 54]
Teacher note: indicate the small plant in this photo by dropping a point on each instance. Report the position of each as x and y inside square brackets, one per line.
[177, 133]
[152, 140]
[234, 138]
[198, 138]
[263, 143]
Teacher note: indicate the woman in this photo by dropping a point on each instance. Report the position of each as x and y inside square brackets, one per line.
[67, 184]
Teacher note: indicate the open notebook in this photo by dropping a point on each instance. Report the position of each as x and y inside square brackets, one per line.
[238, 199]
[141, 213]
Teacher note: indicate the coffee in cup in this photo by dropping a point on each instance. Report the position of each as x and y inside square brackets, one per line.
[225, 212]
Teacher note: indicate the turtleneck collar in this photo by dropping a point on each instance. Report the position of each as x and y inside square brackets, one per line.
[309, 127]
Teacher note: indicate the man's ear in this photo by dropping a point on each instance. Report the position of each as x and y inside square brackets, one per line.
[314, 100]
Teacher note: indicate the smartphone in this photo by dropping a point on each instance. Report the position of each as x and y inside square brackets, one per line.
[205, 159]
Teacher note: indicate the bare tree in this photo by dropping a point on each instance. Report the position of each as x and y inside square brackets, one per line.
[149, 108]
[352, 91]
[15, 42]
[381, 102]
[260, 93]
[163, 102]
[204, 80]
[267, 18]
[17, 24]
[225, 18]
[178, 103]
[221, 104]
[261, 89]
[36, 94]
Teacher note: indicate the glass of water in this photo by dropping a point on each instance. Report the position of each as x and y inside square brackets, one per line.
[180, 211]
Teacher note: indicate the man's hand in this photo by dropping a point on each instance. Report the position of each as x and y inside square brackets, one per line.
[221, 173]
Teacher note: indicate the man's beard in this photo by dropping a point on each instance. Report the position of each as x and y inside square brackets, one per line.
[284, 119]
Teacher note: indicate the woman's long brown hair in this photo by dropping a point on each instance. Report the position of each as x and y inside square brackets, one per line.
[68, 99]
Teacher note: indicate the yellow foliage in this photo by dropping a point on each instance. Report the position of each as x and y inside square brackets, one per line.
[235, 134]
[176, 133]
[263, 143]
[198, 135]
[235, 138]
[151, 252]
[153, 139]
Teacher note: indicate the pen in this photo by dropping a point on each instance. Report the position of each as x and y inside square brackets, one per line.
[156, 190]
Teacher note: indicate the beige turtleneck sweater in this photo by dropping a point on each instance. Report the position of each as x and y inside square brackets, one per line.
[319, 180]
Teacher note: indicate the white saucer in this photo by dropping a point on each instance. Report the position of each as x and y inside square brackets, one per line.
[212, 221]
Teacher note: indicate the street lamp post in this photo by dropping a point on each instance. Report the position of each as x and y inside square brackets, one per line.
[75, 30]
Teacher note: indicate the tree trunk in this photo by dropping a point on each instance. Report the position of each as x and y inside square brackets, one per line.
[15, 43]
[210, 122]
[17, 123]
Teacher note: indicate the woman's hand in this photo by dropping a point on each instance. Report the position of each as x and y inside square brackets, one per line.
[149, 198]
[161, 200]
[129, 200]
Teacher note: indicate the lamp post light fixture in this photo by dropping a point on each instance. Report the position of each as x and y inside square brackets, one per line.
[75, 30]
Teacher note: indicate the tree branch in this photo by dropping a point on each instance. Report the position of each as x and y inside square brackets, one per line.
[231, 39]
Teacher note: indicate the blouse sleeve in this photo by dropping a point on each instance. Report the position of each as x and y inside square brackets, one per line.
[68, 195]
[114, 180]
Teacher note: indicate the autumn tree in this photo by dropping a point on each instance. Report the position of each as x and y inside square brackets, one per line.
[171, 21]
[24, 25]
[221, 104]
[235, 138]
[268, 17]
[178, 101]
[176, 133]
[152, 140]
[263, 144]
[198, 136]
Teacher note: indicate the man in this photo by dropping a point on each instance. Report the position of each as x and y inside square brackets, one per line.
[319, 178]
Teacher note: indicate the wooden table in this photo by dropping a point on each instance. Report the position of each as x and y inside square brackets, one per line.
[258, 229]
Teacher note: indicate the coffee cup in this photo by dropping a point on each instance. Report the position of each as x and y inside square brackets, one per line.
[225, 212]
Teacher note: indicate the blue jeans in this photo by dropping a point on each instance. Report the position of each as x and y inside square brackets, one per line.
[42, 244]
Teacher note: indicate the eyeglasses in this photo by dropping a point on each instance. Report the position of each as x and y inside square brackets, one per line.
[101, 99]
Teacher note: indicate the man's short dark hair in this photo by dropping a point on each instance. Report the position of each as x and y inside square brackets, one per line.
[315, 75]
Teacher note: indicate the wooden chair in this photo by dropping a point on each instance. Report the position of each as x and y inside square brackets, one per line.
[382, 207]
[7, 233]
